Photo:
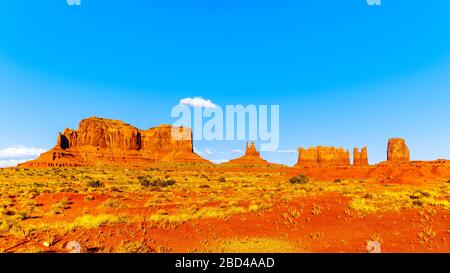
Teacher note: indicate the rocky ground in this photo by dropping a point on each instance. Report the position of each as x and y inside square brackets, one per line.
[181, 208]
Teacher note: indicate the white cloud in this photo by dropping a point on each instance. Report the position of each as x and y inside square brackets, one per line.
[10, 157]
[20, 152]
[286, 151]
[219, 161]
[283, 151]
[13, 162]
[198, 102]
[204, 152]
[237, 151]
[197, 151]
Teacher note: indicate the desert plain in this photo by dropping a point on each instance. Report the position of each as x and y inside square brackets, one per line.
[108, 187]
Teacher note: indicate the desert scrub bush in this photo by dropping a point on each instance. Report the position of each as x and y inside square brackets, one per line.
[6, 202]
[91, 221]
[18, 214]
[397, 200]
[156, 182]
[222, 179]
[258, 206]
[30, 250]
[89, 198]
[134, 247]
[115, 204]
[338, 180]
[152, 203]
[115, 189]
[316, 210]
[204, 176]
[299, 179]
[95, 184]
[363, 205]
[58, 207]
[14, 228]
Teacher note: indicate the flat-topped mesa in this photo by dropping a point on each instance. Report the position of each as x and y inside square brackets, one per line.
[360, 158]
[323, 156]
[99, 140]
[116, 135]
[397, 151]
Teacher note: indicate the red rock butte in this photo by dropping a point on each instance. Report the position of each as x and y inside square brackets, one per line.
[360, 158]
[99, 140]
[250, 158]
[397, 150]
[323, 156]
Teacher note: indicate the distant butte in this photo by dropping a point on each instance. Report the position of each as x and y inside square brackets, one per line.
[323, 156]
[397, 150]
[251, 157]
[360, 158]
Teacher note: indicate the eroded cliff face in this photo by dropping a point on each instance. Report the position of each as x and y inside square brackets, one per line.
[397, 151]
[323, 156]
[99, 140]
[360, 158]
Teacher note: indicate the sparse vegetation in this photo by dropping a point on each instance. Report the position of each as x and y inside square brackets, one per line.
[95, 184]
[48, 207]
[111, 203]
[299, 179]
[91, 221]
[134, 247]
[156, 182]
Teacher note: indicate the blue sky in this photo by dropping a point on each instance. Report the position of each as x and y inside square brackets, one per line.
[344, 73]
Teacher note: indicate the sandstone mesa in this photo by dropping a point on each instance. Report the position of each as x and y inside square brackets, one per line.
[99, 140]
[323, 156]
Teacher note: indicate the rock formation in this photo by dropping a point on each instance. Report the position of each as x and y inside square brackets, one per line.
[251, 150]
[251, 157]
[397, 150]
[99, 140]
[360, 158]
[323, 156]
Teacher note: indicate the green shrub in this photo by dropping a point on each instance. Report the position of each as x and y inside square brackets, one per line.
[299, 179]
[115, 204]
[222, 179]
[157, 182]
[95, 184]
